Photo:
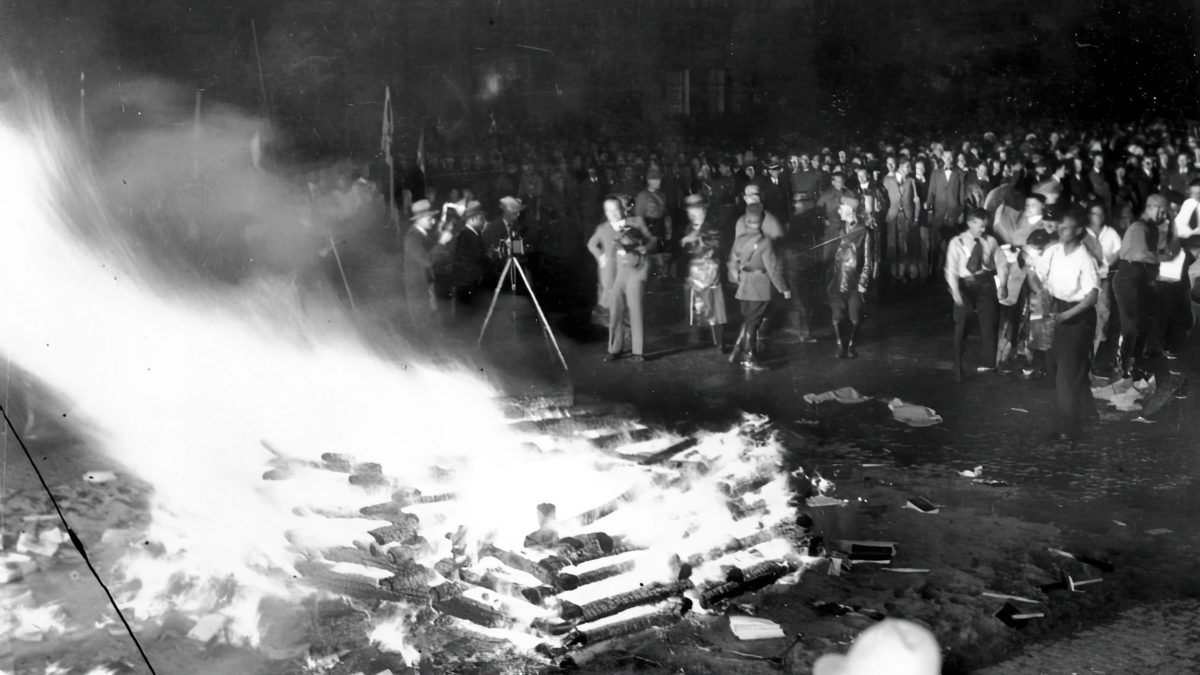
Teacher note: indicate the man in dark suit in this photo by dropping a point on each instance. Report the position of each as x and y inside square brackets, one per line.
[947, 191]
[470, 258]
[1145, 183]
[775, 190]
[1179, 177]
[1099, 185]
[418, 267]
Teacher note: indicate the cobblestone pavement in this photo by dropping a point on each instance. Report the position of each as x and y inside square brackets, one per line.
[1158, 639]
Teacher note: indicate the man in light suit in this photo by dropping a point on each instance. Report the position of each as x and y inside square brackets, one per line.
[619, 246]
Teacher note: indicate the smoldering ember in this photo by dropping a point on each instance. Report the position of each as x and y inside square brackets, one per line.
[518, 336]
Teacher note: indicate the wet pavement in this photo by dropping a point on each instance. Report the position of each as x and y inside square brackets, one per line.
[1125, 495]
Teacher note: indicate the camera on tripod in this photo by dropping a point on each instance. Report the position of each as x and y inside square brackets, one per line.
[514, 245]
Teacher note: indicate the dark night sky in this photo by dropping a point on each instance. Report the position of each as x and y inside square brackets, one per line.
[909, 63]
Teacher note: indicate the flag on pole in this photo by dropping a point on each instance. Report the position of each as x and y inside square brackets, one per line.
[385, 145]
[421, 149]
[385, 141]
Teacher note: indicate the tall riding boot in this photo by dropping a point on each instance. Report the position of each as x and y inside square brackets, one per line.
[760, 334]
[841, 342]
[718, 336]
[850, 353]
[737, 346]
[749, 360]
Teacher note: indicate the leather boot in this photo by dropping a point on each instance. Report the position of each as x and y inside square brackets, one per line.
[841, 342]
[850, 353]
[718, 336]
[736, 353]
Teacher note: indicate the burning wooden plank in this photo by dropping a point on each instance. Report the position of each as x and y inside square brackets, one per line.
[450, 599]
[490, 580]
[569, 581]
[327, 576]
[666, 614]
[545, 570]
[627, 437]
[747, 580]
[573, 425]
[605, 607]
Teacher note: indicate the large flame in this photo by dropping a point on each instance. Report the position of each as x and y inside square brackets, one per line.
[198, 391]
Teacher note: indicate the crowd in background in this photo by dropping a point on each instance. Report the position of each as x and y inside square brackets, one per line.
[792, 233]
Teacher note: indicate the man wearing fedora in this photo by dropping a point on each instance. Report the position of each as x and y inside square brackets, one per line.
[418, 266]
[498, 235]
[470, 258]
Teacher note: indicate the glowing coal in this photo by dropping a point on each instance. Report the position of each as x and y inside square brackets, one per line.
[290, 458]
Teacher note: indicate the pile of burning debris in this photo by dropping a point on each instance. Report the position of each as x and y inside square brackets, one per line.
[576, 582]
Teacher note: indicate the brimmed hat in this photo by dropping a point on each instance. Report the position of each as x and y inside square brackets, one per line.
[851, 201]
[421, 209]
[474, 208]
[512, 204]
[695, 200]
[653, 173]
[751, 189]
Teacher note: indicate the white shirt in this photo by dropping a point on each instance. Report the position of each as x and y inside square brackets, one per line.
[1110, 245]
[1183, 221]
[958, 254]
[1068, 276]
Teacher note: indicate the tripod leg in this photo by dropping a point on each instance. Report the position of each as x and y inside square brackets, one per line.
[536, 305]
[492, 307]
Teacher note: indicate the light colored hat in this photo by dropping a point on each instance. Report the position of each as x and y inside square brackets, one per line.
[512, 204]
[421, 208]
[474, 208]
[751, 189]
[695, 200]
[892, 646]
[850, 200]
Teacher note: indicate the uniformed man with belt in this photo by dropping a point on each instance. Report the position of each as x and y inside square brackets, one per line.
[755, 268]
[973, 262]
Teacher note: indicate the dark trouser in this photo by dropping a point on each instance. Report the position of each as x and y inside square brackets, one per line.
[1131, 290]
[1171, 317]
[979, 301]
[1073, 401]
[753, 313]
[803, 284]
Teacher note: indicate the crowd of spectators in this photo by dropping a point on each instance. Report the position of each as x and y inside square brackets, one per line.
[792, 232]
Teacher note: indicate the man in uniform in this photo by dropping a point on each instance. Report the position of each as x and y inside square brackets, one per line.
[706, 299]
[850, 275]
[651, 207]
[800, 263]
[755, 268]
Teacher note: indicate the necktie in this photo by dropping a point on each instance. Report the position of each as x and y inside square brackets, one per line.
[975, 262]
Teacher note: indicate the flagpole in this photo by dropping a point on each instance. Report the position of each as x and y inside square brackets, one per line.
[386, 140]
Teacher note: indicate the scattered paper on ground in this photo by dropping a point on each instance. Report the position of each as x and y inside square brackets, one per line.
[1125, 394]
[912, 414]
[753, 628]
[842, 395]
